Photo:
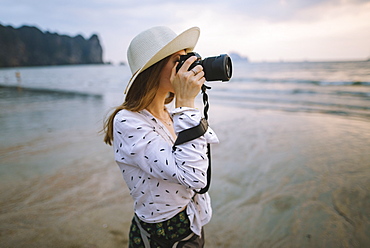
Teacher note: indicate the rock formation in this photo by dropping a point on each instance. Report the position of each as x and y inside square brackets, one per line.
[28, 46]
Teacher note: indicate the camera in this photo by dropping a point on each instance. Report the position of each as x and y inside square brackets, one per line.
[217, 68]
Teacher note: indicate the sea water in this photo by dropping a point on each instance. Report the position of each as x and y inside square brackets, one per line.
[303, 123]
[329, 87]
[40, 101]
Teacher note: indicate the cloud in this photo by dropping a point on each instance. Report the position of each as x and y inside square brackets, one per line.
[284, 10]
[258, 29]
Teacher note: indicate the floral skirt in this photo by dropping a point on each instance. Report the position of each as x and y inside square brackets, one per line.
[162, 234]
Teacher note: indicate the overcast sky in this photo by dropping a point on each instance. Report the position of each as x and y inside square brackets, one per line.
[263, 30]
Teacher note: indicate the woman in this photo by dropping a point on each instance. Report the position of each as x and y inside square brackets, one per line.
[162, 180]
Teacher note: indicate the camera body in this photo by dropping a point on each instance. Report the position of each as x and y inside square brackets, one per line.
[217, 68]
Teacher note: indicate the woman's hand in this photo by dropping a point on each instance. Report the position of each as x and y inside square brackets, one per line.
[187, 84]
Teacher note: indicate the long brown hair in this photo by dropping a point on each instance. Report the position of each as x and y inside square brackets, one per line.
[140, 95]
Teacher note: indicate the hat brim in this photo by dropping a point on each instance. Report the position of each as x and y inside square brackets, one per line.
[184, 41]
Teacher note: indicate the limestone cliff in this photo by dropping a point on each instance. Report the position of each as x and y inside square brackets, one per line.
[28, 46]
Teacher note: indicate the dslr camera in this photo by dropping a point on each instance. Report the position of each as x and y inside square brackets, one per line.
[217, 68]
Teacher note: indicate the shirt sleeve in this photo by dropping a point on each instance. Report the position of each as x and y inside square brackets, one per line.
[137, 142]
[185, 118]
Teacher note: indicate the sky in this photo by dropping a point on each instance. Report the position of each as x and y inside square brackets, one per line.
[262, 30]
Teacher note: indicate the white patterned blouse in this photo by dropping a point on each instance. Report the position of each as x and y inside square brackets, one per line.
[162, 180]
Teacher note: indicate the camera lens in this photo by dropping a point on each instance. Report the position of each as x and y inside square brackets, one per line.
[228, 67]
[217, 68]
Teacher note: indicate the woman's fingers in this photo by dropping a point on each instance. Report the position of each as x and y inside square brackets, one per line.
[198, 71]
[187, 83]
[187, 63]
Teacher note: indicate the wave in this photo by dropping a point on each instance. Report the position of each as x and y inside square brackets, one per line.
[299, 106]
[233, 91]
[352, 102]
[301, 81]
[290, 101]
[59, 92]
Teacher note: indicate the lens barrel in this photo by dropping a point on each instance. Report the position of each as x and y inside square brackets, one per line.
[217, 68]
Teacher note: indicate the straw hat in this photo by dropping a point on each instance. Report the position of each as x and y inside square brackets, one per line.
[154, 44]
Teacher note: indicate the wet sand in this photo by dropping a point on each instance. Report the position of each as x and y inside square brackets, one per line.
[300, 180]
[279, 180]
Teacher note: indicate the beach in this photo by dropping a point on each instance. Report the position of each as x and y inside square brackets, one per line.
[299, 185]
[292, 172]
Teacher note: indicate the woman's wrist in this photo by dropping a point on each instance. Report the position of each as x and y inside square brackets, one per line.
[184, 103]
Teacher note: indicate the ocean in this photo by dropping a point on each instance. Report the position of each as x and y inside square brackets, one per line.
[292, 168]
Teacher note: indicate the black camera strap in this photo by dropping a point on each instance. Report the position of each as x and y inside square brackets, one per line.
[196, 132]
[205, 100]
[206, 108]
[192, 133]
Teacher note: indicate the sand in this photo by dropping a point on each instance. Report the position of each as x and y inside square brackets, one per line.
[279, 180]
